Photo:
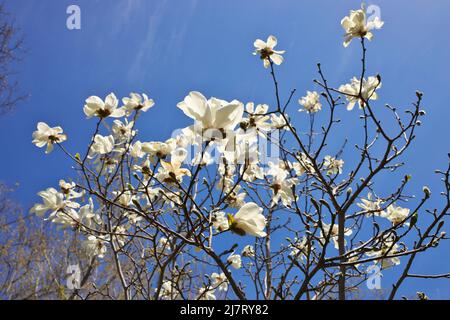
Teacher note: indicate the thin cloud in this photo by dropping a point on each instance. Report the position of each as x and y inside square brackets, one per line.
[153, 48]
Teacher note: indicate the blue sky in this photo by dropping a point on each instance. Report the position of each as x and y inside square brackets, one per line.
[168, 48]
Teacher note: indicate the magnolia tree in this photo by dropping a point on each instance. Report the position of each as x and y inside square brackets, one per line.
[210, 213]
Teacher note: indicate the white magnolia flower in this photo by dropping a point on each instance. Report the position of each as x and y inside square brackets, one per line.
[124, 198]
[303, 165]
[281, 186]
[333, 165]
[260, 109]
[120, 234]
[298, 248]
[284, 192]
[137, 102]
[203, 158]
[63, 211]
[248, 220]
[388, 247]
[334, 234]
[310, 102]
[213, 113]
[278, 122]
[66, 219]
[136, 150]
[219, 281]
[169, 291]
[277, 171]
[88, 215]
[187, 137]
[96, 246]
[352, 90]
[396, 214]
[171, 172]
[123, 131]
[69, 189]
[267, 53]
[145, 169]
[219, 221]
[257, 117]
[206, 293]
[252, 172]
[44, 135]
[54, 202]
[372, 206]
[235, 261]
[159, 149]
[66, 186]
[236, 199]
[248, 251]
[96, 107]
[357, 26]
[101, 145]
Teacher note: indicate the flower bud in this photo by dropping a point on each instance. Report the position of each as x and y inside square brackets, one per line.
[426, 191]
[419, 94]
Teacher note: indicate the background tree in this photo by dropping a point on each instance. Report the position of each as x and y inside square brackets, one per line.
[11, 51]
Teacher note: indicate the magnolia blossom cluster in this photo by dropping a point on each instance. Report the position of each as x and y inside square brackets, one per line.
[395, 214]
[168, 157]
[310, 102]
[225, 134]
[361, 92]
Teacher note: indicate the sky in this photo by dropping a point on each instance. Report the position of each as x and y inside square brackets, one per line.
[168, 48]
